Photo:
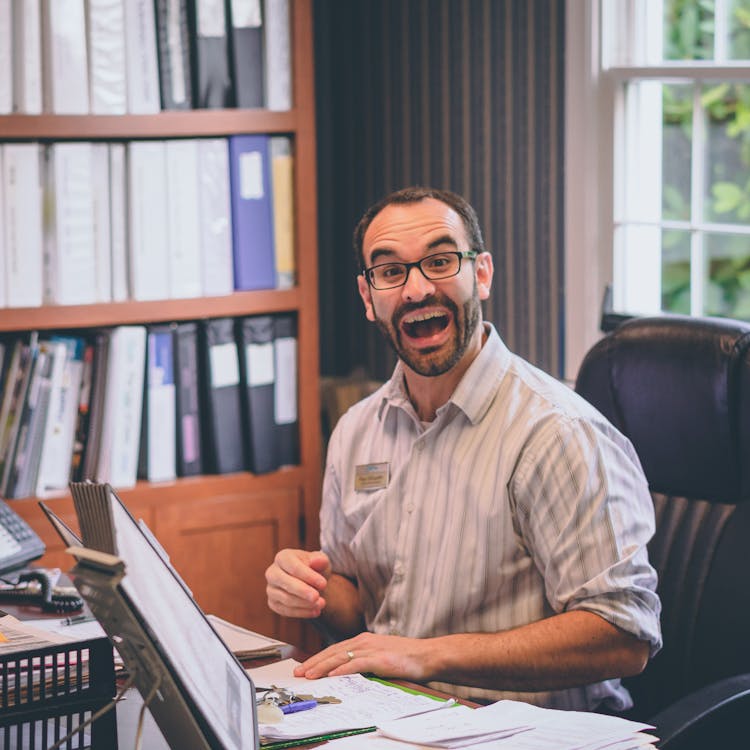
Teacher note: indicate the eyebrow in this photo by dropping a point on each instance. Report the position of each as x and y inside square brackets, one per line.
[381, 252]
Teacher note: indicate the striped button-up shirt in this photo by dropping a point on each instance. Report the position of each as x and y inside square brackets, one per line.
[518, 501]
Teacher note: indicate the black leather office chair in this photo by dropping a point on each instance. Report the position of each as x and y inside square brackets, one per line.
[679, 388]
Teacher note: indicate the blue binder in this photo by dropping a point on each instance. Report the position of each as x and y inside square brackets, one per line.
[252, 212]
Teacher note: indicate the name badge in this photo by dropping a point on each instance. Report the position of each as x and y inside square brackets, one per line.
[372, 476]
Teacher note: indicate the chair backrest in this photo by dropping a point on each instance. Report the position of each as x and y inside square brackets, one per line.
[679, 388]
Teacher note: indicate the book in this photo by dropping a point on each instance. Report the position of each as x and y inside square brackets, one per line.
[141, 58]
[220, 384]
[212, 84]
[11, 396]
[22, 187]
[91, 434]
[183, 215]
[245, 24]
[105, 34]
[252, 212]
[27, 57]
[65, 77]
[118, 454]
[189, 456]
[215, 217]
[3, 224]
[157, 461]
[117, 222]
[282, 178]
[6, 59]
[173, 45]
[285, 401]
[70, 262]
[58, 442]
[83, 412]
[148, 237]
[278, 55]
[255, 338]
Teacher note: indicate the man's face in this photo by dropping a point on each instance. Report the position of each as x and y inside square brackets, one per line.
[430, 324]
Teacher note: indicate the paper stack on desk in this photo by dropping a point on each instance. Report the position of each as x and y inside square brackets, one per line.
[525, 727]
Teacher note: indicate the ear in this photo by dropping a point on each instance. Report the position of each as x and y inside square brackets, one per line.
[485, 271]
[366, 294]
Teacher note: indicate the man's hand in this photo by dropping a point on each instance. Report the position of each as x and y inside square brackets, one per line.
[383, 655]
[296, 582]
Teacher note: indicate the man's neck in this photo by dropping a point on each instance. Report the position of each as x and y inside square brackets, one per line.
[428, 393]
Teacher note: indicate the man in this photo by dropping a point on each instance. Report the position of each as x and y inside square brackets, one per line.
[483, 529]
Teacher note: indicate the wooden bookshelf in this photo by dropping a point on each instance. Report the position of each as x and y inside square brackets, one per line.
[221, 532]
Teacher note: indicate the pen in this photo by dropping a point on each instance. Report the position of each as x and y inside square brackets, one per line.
[77, 619]
[292, 708]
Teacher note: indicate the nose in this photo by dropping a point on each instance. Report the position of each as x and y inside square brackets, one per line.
[417, 285]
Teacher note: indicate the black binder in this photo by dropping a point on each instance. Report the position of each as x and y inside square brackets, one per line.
[223, 445]
[257, 375]
[245, 31]
[175, 80]
[212, 84]
[189, 453]
[285, 402]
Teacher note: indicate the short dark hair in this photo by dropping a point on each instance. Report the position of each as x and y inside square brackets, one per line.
[415, 195]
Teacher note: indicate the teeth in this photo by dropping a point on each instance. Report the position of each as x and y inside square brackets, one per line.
[423, 316]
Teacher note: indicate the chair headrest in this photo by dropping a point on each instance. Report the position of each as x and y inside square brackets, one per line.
[679, 388]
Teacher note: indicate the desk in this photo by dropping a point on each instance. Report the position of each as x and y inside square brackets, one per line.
[118, 728]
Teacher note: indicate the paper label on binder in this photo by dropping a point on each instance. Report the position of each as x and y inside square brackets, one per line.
[251, 176]
[225, 369]
[259, 361]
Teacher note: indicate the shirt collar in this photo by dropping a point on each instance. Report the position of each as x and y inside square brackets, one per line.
[476, 390]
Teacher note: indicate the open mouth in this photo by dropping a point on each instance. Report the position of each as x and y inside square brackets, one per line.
[425, 325]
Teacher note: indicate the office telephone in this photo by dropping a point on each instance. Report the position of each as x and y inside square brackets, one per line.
[19, 543]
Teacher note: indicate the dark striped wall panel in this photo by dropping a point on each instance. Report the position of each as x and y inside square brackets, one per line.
[458, 94]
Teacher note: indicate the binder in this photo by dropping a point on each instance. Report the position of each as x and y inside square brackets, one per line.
[91, 415]
[117, 217]
[220, 383]
[245, 23]
[22, 178]
[257, 374]
[252, 212]
[183, 216]
[282, 172]
[83, 413]
[285, 401]
[102, 221]
[147, 212]
[6, 59]
[212, 85]
[215, 214]
[173, 45]
[188, 417]
[157, 461]
[65, 78]
[27, 57]
[141, 57]
[278, 56]
[69, 240]
[105, 32]
[3, 224]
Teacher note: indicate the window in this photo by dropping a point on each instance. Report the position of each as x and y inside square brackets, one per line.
[664, 86]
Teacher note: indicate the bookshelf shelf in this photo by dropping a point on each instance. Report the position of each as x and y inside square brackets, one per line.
[220, 531]
[174, 124]
[130, 313]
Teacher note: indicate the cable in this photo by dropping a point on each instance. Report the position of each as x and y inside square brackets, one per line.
[105, 709]
[142, 714]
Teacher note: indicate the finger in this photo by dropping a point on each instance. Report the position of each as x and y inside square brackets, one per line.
[286, 603]
[334, 660]
[297, 563]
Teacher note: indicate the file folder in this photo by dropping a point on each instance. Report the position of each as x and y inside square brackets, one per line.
[257, 373]
[285, 401]
[212, 85]
[245, 23]
[220, 376]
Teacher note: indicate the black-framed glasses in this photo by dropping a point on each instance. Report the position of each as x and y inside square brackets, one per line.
[434, 267]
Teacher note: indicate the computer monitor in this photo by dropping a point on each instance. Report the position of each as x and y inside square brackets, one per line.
[197, 691]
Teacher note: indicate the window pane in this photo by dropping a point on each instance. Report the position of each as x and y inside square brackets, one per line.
[727, 290]
[675, 272]
[688, 29]
[739, 30]
[677, 106]
[727, 189]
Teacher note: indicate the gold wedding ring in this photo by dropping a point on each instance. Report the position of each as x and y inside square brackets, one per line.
[350, 655]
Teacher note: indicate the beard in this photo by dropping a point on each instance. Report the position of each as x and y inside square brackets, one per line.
[431, 362]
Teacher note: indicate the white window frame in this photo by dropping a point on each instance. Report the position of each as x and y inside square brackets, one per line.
[592, 145]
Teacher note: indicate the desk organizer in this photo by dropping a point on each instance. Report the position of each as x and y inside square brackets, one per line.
[55, 676]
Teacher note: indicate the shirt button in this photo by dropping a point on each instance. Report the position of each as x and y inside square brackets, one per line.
[410, 508]
[398, 571]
